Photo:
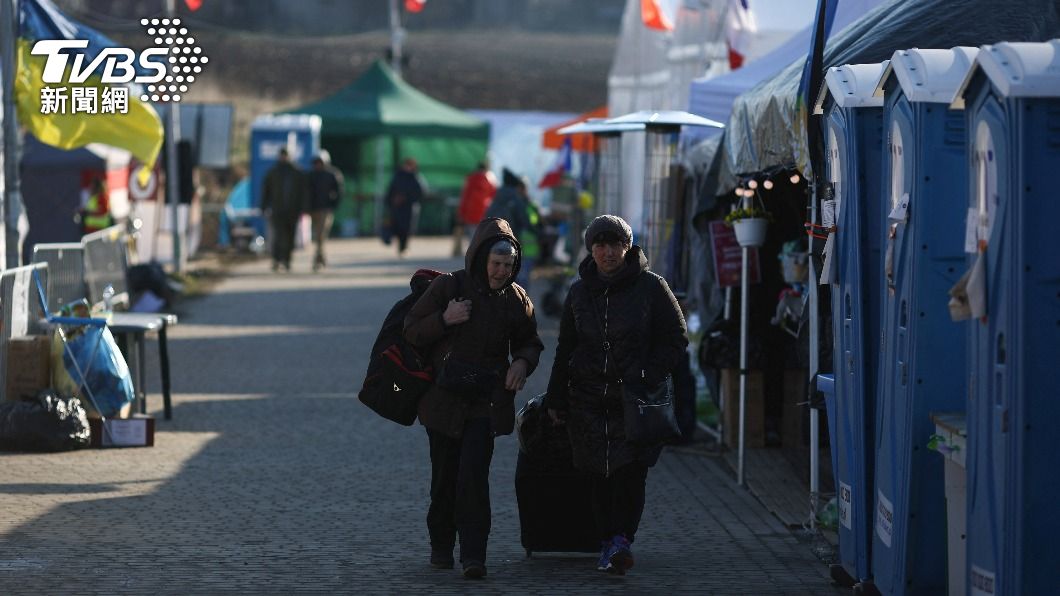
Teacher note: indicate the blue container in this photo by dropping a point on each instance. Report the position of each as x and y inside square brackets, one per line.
[922, 350]
[853, 140]
[1012, 100]
[298, 133]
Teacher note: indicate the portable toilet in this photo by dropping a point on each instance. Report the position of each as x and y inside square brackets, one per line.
[299, 134]
[853, 125]
[1012, 101]
[921, 350]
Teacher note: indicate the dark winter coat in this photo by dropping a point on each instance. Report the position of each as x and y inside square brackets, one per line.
[645, 335]
[404, 191]
[502, 323]
[325, 188]
[286, 191]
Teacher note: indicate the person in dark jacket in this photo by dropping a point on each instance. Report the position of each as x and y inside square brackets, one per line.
[325, 191]
[621, 324]
[405, 190]
[283, 202]
[476, 316]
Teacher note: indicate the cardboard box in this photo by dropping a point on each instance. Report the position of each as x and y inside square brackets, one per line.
[138, 431]
[28, 366]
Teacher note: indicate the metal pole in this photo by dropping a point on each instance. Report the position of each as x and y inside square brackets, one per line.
[815, 420]
[397, 35]
[172, 167]
[11, 197]
[745, 287]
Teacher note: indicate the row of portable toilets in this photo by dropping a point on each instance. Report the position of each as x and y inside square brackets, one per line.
[946, 317]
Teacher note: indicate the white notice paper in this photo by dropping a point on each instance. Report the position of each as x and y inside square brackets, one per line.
[971, 231]
[900, 213]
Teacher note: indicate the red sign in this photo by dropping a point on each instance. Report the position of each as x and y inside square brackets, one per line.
[728, 257]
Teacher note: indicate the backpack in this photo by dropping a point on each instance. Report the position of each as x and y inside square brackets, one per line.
[398, 374]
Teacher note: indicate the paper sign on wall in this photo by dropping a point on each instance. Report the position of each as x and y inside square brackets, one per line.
[884, 519]
[844, 505]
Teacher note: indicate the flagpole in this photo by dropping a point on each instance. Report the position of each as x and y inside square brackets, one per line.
[11, 199]
[172, 163]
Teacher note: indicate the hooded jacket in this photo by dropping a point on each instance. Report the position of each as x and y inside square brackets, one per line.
[502, 325]
[637, 316]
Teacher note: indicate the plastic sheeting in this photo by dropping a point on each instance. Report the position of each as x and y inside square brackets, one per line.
[765, 129]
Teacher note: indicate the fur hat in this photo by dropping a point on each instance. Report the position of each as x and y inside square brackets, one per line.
[608, 224]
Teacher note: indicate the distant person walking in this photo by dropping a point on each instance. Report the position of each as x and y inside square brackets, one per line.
[621, 326]
[283, 202]
[482, 329]
[325, 192]
[479, 188]
[405, 190]
[512, 203]
[95, 208]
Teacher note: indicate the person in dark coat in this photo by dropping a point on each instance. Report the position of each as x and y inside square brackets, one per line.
[325, 191]
[405, 190]
[480, 317]
[621, 324]
[283, 202]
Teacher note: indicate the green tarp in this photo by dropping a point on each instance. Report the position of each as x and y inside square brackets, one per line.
[378, 120]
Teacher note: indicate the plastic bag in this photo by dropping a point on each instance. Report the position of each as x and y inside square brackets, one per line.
[106, 374]
[47, 423]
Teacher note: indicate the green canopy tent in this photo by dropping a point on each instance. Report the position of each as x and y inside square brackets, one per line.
[373, 123]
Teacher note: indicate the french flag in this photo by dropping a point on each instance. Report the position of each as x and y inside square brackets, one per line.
[560, 167]
[740, 28]
[414, 5]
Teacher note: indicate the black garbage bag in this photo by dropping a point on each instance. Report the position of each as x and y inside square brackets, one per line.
[150, 276]
[542, 442]
[45, 423]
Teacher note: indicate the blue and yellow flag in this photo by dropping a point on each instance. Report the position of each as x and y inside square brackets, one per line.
[69, 115]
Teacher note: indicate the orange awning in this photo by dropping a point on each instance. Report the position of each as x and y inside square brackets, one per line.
[584, 142]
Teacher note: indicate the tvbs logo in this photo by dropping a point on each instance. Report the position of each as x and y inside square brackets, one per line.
[165, 69]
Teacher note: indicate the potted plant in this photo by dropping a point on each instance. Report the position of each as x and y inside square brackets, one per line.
[750, 224]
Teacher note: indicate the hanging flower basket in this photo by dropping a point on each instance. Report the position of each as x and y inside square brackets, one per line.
[751, 231]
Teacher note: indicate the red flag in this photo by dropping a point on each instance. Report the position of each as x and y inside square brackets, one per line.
[554, 176]
[414, 5]
[193, 5]
[653, 16]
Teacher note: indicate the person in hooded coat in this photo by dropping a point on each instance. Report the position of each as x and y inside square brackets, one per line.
[478, 316]
[621, 324]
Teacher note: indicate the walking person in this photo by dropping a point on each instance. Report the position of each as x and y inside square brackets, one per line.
[405, 190]
[479, 188]
[283, 202]
[482, 332]
[621, 325]
[325, 191]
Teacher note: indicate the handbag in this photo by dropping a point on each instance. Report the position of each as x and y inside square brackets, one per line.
[395, 389]
[464, 378]
[648, 412]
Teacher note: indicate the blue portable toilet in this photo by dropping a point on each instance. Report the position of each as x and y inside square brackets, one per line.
[1011, 98]
[853, 123]
[298, 133]
[922, 351]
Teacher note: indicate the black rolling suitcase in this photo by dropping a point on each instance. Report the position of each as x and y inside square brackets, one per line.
[555, 511]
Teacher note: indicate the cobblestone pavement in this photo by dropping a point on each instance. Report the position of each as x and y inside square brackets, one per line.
[272, 478]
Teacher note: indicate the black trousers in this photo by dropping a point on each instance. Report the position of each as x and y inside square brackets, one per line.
[460, 490]
[283, 230]
[618, 501]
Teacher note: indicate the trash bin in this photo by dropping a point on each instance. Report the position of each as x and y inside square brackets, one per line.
[853, 137]
[950, 439]
[1012, 103]
[922, 351]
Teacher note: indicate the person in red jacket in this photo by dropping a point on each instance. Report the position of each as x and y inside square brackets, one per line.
[479, 188]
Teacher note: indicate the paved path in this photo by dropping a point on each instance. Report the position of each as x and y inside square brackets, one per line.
[273, 479]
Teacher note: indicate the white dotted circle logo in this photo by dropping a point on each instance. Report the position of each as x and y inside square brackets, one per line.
[184, 59]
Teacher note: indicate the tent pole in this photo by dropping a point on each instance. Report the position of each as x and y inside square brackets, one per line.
[380, 157]
[11, 210]
[396, 36]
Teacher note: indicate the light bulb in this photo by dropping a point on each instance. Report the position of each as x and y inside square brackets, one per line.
[795, 178]
[768, 184]
[752, 184]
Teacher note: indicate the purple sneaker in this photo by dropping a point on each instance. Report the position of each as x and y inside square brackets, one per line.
[604, 562]
[620, 555]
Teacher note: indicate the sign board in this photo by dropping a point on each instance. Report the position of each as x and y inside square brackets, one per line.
[728, 257]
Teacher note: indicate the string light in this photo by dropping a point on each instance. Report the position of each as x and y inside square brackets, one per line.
[752, 184]
[768, 184]
[795, 178]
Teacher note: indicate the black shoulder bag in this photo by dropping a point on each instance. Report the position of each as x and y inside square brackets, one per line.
[647, 411]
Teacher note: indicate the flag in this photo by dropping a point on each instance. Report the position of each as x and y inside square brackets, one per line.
[653, 16]
[740, 27]
[139, 130]
[193, 5]
[562, 165]
[414, 5]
